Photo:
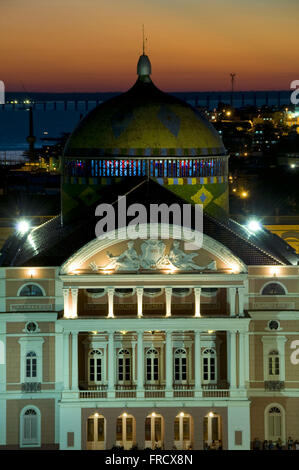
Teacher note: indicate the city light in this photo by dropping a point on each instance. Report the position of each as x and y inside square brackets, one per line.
[23, 227]
[254, 226]
[244, 194]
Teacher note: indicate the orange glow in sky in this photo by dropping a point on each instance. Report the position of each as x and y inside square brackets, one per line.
[94, 45]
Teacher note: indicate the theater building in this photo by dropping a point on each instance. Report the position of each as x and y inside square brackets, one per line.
[144, 342]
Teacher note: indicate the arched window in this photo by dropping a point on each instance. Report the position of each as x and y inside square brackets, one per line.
[209, 366]
[180, 365]
[31, 290]
[30, 427]
[31, 365]
[124, 366]
[274, 420]
[273, 288]
[95, 366]
[152, 365]
[273, 362]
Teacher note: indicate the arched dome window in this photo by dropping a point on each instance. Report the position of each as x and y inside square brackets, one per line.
[273, 288]
[31, 290]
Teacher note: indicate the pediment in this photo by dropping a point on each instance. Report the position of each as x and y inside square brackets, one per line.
[121, 255]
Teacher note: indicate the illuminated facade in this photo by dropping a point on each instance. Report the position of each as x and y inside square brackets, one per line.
[141, 342]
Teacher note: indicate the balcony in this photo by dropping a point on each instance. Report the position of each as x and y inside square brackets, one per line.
[155, 391]
[183, 390]
[274, 385]
[218, 390]
[125, 391]
[29, 387]
[93, 391]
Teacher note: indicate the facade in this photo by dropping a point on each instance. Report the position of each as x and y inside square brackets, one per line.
[121, 342]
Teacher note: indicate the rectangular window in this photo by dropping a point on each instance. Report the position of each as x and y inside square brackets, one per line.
[129, 429]
[101, 429]
[186, 429]
[148, 429]
[157, 429]
[30, 429]
[90, 430]
[176, 429]
[91, 370]
[119, 429]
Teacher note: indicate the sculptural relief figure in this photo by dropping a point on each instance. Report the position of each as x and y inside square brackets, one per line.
[181, 260]
[127, 261]
[152, 254]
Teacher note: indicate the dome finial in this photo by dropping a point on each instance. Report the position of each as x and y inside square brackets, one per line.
[144, 68]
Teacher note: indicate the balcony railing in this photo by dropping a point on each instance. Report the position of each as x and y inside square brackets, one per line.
[215, 390]
[154, 391]
[125, 391]
[218, 390]
[93, 391]
[29, 387]
[183, 390]
[274, 385]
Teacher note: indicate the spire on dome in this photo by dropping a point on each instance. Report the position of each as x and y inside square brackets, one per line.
[144, 68]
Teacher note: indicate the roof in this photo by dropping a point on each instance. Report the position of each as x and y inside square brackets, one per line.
[144, 121]
[51, 244]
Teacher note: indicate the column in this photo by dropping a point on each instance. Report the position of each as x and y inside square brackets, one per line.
[197, 291]
[232, 359]
[168, 292]
[139, 291]
[140, 365]
[111, 363]
[74, 303]
[66, 359]
[241, 360]
[66, 308]
[140, 428]
[197, 364]
[246, 355]
[74, 361]
[169, 363]
[110, 302]
[2, 358]
[232, 301]
[241, 292]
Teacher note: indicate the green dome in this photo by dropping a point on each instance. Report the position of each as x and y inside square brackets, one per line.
[144, 121]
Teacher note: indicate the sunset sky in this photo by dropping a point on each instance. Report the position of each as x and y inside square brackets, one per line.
[94, 45]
